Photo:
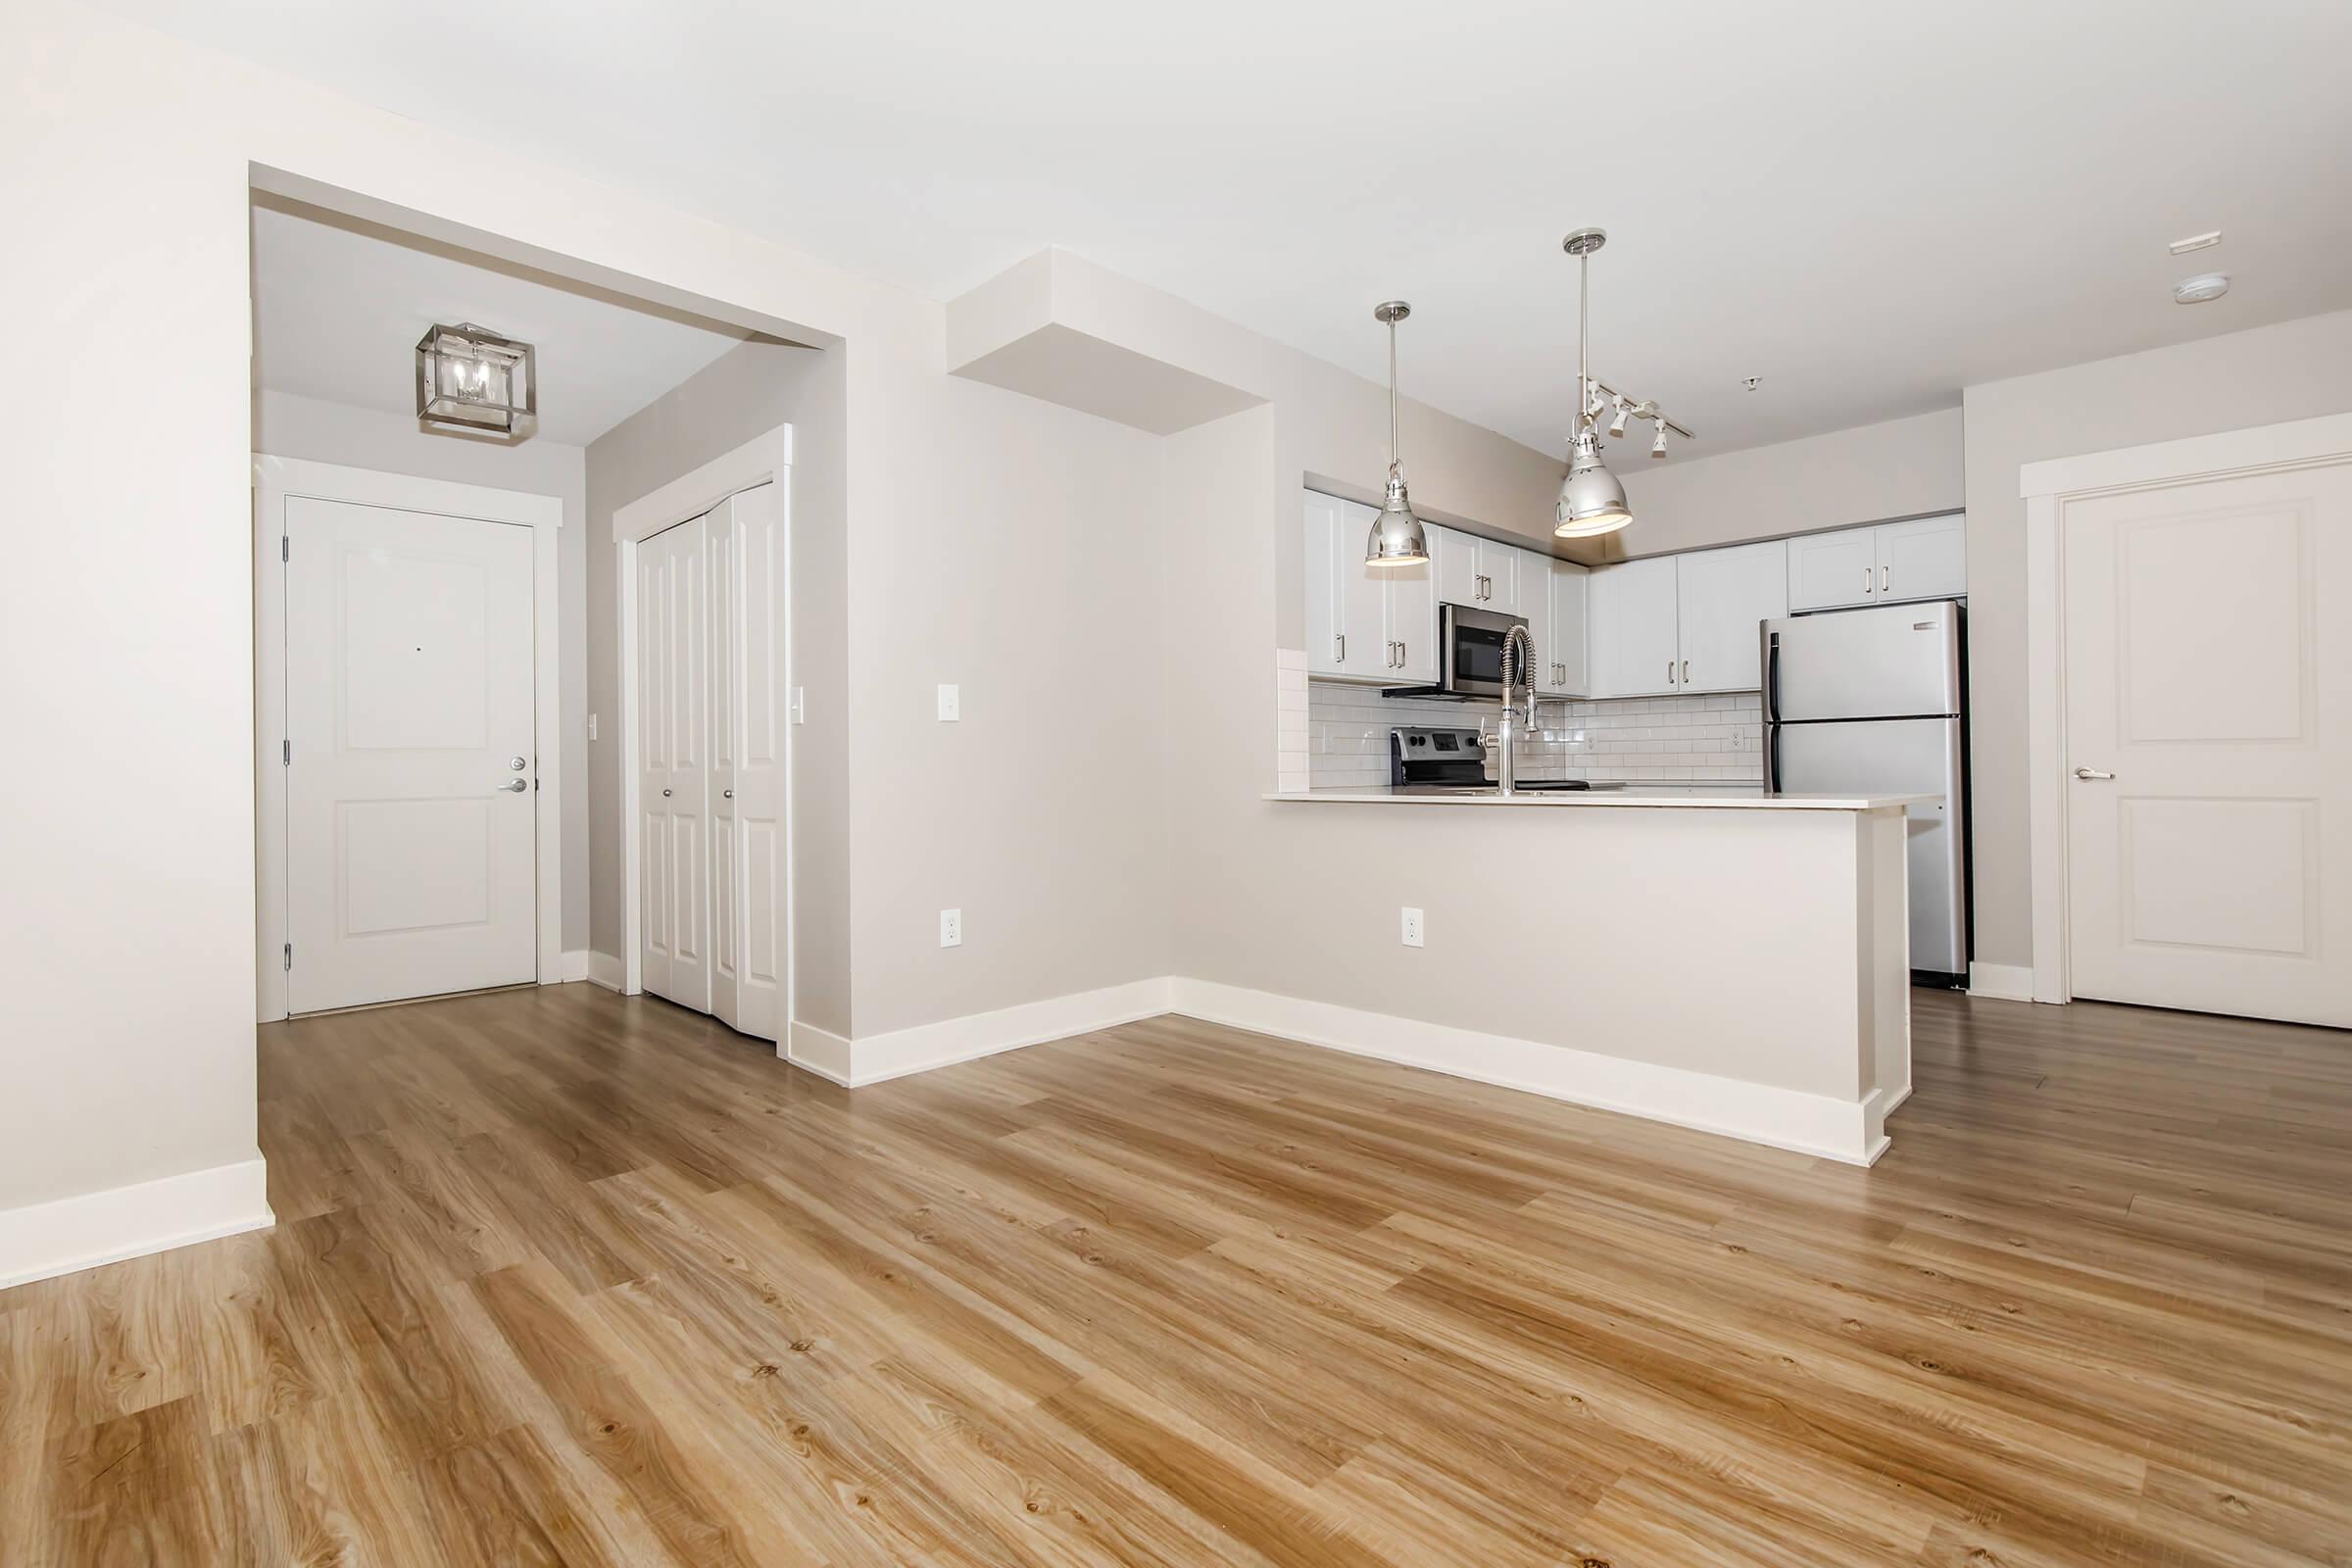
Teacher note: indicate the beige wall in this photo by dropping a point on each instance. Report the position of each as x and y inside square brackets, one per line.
[286, 426]
[2292, 370]
[1900, 469]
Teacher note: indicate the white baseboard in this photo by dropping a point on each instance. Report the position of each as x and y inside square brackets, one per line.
[2008, 982]
[605, 971]
[877, 1058]
[820, 1051]
[42, 1240]
[1784, 1118]
[575, 966]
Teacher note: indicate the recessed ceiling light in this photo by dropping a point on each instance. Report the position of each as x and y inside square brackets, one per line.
[2200, 288]
[2195, 242]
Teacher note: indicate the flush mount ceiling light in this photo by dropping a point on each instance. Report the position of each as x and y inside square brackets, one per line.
[1396, 537]
[476, 381]
[2200, 288]
[1592, 501]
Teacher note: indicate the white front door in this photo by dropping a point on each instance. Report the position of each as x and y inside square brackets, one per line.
[673, 716]
[411, 789]
[2209, 745]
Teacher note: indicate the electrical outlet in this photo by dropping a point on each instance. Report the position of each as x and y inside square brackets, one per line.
[950, 928]
[1413, 927]
[592, 726]
[951, 704]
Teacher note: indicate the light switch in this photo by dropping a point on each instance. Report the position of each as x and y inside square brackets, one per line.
[951, 704]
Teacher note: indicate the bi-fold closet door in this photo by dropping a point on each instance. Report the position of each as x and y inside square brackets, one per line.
[711, 755]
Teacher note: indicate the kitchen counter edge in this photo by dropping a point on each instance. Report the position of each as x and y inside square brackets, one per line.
[1700, 799]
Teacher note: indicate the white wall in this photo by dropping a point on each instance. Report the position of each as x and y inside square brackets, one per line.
[1900, 469]
[287, 425]
[2291, 370]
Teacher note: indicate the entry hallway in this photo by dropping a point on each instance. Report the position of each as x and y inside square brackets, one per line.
[563, 1277]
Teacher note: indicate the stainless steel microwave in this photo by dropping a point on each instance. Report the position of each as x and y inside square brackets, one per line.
[1469, 653]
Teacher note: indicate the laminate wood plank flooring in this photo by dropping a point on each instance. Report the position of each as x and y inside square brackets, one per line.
[567, 1278]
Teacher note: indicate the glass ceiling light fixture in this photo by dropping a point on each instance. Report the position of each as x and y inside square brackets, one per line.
[476, 381]
[1396, 537]
[1592, 501]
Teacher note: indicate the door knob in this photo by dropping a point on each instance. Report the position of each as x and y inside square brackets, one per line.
[666, 795]
[517, 764]
[726, 795]
[2089, 774]
[515, 785]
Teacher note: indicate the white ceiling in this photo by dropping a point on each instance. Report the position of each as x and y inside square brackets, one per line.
[1870, 205]
[338, 308]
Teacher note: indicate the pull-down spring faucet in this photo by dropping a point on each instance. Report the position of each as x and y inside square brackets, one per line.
[1518, 668]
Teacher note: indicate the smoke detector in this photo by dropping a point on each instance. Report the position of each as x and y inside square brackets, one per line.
[2200, 288]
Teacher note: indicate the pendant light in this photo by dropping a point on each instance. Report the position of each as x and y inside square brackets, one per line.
[1592, 501]
[1396, 537]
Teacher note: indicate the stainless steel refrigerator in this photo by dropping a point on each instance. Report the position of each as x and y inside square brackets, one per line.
[1876, 701]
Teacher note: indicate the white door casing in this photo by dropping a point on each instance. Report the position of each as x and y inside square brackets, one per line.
[2203, 467]
[675, 763]
[2209, 745]
[411, 809]
[283, 482]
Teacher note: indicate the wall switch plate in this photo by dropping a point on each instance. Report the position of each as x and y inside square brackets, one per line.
[950, 703]
[799, 709]
[950, 928]
[1413, 927]
[592, 726]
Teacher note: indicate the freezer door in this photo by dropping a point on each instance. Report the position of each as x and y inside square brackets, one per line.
[1898, 757]
[1889, 661]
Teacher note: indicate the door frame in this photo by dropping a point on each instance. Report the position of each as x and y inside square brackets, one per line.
[762, 460]
[278, 480]
[2048, 488]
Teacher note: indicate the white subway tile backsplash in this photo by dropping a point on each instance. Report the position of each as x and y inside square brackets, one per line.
[1714, 737]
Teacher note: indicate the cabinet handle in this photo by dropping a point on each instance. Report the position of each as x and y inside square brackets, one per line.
[1686, 672]
[1670, 672]
[1339, 648]
[1866, 580]
[1883, 579]
[1401, 656]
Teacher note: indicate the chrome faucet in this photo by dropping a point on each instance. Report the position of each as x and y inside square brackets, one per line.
[1518, 668]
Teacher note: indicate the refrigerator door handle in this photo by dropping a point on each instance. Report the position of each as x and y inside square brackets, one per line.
[1771, 713]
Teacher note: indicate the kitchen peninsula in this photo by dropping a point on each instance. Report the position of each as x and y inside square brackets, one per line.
[1717, 956]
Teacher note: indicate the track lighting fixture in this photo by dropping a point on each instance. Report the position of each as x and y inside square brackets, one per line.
[1591, 500]
[1617, 420]
[1657, 445]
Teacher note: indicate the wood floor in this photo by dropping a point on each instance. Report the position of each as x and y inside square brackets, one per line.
[563, 1278]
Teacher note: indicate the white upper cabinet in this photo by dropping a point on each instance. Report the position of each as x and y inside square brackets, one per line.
[1721, 595]
[1478, 572]
[1561, 652]
[1368, 623]
[1924, 559]
[1633, 648]
[1832, 568]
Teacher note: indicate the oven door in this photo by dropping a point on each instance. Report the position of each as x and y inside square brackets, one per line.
[1471, 642]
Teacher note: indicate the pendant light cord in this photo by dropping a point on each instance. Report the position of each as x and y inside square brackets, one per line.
[1584, 343]
[1395, 461]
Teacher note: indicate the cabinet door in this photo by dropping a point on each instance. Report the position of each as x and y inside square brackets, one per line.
[1635, 652]
[1411, 621]
[1455, 558]
[1541, 634]
[1564, 656]
[1924, 559]
[1721, 595]
[1504, 568]
[1833, 568]
[1345, 605]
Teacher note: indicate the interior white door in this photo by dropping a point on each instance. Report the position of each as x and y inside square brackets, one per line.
[723, 652]
[2209, 745]
[411, 790]
[748, 590]
[674, 708]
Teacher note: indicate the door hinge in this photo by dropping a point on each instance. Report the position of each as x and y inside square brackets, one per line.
[285, 753]
[285, 546]
[289, 957]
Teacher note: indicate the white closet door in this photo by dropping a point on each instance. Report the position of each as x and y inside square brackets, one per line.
[410, 815]
[758, 711]
[724, 649]
[674, 708]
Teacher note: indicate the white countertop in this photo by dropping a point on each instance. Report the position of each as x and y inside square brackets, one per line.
[1698, 797]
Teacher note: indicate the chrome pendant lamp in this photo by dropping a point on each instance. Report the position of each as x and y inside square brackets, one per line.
[1397, 539]
[1592, 501]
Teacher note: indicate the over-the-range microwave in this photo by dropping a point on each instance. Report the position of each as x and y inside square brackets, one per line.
[1469, 653]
